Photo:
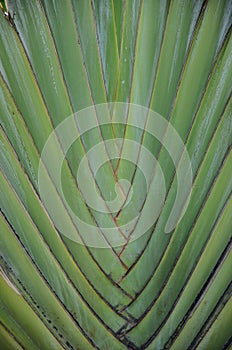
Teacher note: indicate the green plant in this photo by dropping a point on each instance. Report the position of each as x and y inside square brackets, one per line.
[162, 290]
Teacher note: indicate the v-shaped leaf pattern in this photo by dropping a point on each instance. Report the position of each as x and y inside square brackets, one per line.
[63, 58]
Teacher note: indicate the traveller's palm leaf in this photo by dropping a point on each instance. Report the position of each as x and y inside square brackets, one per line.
[163, 289]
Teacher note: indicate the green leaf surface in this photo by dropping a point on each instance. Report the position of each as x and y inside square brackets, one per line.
[164, 290]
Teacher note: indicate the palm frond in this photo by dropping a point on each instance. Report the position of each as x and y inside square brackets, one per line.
[163, 289]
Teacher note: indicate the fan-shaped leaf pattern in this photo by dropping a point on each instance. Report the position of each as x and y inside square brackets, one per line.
[162, 290]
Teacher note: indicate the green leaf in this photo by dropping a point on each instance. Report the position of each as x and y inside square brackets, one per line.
[71, 61]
